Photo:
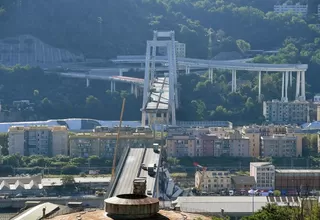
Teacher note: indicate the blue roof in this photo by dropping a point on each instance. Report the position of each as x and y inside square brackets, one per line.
[312, 126]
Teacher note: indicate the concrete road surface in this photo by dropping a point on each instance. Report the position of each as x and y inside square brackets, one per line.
[130, 171]
[150, 158]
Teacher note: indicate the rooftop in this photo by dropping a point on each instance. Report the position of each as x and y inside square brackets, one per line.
[36, 212]
[214, 204]
[296, 171]
[58, 182]
[260, 164]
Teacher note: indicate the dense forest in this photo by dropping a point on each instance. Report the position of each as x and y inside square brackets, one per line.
[105, 28]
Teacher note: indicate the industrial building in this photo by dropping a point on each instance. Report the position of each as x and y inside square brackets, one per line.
[282, 112]
[297, 182]
[23, 185]
[38, 140]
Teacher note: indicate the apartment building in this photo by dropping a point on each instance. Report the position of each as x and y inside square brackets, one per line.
[264, 174]
[223, 144]
[280, 112]
[38, 140]
[180, 50]
[102, 142]
[254, 133]
[297, 8]
[279, 146]
[213, 181]
[181, 144]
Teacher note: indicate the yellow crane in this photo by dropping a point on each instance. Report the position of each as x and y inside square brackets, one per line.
[117, 143]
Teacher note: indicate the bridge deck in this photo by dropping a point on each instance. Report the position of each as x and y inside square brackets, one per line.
[130, 171]
[229, 65]
[150, 158]
[161, 87]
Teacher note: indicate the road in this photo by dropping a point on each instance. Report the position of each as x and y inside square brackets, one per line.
[130, 171]
[150, 158]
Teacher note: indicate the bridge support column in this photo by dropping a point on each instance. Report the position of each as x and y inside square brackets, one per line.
[259, 87]
[234, 81]
[303, 86]
[211, 75]
[282, 87]
[136, 91]
[113, 86]
[286, 86]
[87, 82]
[132, 88]
[298, 85]
[290, 78]
[187, 70]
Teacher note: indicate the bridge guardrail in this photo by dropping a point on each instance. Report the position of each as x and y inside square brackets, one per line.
[118, 171]
[143, 156]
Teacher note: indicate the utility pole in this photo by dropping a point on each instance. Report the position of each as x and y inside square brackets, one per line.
[117, 143]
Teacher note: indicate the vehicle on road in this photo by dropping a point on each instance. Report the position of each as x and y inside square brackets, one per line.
[151, 169]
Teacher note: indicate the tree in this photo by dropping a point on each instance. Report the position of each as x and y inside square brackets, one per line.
[68, 180]
[243, 45]
[271, 212]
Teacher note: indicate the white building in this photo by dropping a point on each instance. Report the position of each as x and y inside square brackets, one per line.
[264, 174]
[316, 99]
[38, 140]
[180, 50]
[281, 112]
[297, 8]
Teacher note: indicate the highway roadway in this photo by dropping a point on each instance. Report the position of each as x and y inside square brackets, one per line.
[130, 171]
[150, 158]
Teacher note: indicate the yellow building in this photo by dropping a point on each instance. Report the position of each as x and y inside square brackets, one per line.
[213, 181]
[102, 144]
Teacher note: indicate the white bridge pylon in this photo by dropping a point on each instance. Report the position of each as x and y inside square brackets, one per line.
[160, 92]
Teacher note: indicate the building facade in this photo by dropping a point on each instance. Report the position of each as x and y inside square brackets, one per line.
[38, 140]
[257, 133]
[297, 182]
[297, 8]
[180, 50]
[279, 146]
[280, 112]
[181, 145]
[102, 142]
[264, 174]
[213, 181]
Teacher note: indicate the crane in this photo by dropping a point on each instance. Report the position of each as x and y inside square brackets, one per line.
[117, 143]
[202, 170]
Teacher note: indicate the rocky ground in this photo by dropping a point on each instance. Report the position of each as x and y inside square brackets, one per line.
[100, 215]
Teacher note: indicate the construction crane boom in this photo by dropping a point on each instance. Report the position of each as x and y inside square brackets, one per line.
[117, 143]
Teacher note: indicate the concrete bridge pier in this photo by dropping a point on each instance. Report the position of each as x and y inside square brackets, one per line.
[113, 86]
[211, 75]
[259, 87]
[87, 82]
[187, 70]
[234, 81]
